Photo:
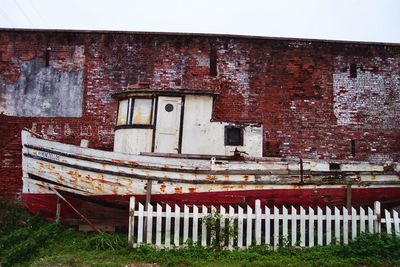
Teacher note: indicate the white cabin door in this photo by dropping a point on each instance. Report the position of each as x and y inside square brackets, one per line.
[168, 124]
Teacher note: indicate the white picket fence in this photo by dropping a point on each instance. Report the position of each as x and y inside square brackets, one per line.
[243, 228]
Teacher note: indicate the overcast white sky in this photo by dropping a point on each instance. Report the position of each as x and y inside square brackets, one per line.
[360, 20]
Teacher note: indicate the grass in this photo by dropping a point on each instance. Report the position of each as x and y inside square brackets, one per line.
[29, 241]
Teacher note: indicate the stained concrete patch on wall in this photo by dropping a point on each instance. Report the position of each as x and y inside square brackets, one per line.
[371, 98]
[42, 91]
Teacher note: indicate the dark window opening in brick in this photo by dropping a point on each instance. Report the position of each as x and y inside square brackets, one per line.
[233, 136]
[353, 148]
[48, 56]
[334, 166]
[353, 70]
[213, 62]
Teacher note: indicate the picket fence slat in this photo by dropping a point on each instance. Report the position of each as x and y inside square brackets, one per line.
[388, 222]
[345, 226]
[185, 224]
[310, 227]
[396, 222]
[328, 226]
[320, 227]
[353, 223]
[222, 225]
[337, 224]
[267, 226]
[140, 224]
[204, 226]
[276, 227]
[168, 227]
[240, 227]
[149, 225]
[158, 225]
[285, 223]
[294, 226]
[362, 220]
[195, 229]
[249, 226]
[146, 225]
[302, 227]
[258, 222]
[370, 220]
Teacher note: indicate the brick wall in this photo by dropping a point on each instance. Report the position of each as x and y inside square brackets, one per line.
[301, 91]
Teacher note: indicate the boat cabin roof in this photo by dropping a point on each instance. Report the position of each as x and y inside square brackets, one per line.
[126, 93]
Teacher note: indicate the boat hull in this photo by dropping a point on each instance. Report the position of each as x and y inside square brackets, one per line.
[99, 183]
[113, 209]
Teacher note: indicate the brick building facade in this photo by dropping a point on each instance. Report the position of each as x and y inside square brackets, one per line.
[315, 99]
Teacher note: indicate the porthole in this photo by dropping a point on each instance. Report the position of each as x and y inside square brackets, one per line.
[169, 107]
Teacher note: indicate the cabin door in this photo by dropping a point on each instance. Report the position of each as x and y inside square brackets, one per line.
[168, 124]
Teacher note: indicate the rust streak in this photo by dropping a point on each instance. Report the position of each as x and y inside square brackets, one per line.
[192, 189]
[162, 188]
[178, 190]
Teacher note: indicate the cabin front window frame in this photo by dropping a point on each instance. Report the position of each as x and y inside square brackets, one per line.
[129, 114]
[233, 130]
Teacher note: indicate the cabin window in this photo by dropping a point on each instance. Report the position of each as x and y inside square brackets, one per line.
[233, 136]
[123, 112]
[135, 112]
[141, 111]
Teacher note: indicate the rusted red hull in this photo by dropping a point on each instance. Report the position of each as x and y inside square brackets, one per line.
[113, 209]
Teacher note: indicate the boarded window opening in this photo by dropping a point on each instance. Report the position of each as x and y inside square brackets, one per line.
[48, 56]
[233, 136]
[353, 70]
[213, 62]
[353, 148]
[334, 166]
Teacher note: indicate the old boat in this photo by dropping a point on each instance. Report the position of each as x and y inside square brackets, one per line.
[168, 147]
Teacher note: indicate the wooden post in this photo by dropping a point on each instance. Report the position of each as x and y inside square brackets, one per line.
[80, 214]
[348, 197]
[58, 210]
[149, 186]
[131, 229]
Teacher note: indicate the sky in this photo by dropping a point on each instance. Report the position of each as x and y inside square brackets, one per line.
[351, 20]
